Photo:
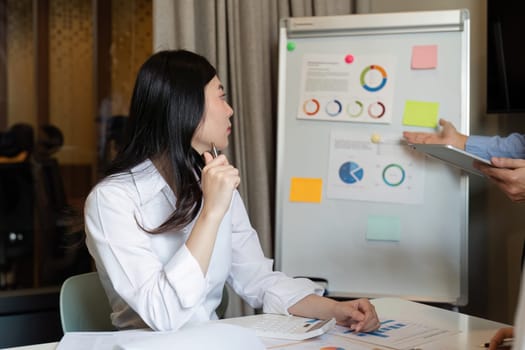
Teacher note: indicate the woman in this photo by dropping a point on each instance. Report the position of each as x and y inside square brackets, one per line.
[167, 227]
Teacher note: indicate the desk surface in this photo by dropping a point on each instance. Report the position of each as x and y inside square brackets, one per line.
[473, 330]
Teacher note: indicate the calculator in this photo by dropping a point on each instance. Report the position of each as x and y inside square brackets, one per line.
[282, 326]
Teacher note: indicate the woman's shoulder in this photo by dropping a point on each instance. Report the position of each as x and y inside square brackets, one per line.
[119, 186]
[128, 184]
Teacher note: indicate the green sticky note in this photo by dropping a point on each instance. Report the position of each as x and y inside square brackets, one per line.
[419, 113]
[383, 228]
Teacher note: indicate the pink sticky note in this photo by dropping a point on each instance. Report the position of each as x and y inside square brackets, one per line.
[424, 57]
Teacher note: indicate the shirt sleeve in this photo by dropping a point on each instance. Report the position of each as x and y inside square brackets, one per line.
[512, 146]
[163, 295]
[252, 276]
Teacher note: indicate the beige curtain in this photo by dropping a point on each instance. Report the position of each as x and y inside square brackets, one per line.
[240, 37]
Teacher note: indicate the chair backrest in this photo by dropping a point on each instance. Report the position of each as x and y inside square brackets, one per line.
[84, 305]
[221, 309]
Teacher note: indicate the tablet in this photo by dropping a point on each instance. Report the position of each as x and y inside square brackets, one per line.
[451, 155]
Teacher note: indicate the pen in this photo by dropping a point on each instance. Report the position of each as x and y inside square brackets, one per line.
[214, 151]
[506, 343]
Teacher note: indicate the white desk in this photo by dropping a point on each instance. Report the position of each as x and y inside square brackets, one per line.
[473, 330]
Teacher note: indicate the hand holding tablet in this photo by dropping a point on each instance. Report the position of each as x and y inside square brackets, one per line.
[451, 155]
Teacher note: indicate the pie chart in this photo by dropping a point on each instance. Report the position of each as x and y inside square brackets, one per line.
[350, 172]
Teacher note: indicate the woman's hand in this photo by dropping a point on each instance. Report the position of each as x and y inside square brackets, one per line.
[448, 135]
[219, 180]
[359, 315]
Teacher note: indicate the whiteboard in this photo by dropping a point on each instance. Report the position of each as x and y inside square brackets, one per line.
[354, 205]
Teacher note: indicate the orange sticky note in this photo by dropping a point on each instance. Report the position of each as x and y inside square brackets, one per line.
[306, 190]
[424, 57]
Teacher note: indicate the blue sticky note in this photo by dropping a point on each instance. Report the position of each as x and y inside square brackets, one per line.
[383, 228]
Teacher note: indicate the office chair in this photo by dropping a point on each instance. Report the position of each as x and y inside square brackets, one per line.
[221, 309]
[84, 305]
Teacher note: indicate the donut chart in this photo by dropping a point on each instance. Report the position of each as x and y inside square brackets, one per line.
[333, 108]
[376, 110]
[351, 173]
[311, 106]
[355, 109]
[393, 175]
[368, 81]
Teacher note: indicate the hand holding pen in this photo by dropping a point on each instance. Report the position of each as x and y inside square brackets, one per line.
[214, 152]
[219, 180]
[503, 339]
[507, 343]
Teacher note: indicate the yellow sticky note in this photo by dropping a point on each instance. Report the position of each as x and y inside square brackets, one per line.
[419, 113]
[306, 190]
[424, 57]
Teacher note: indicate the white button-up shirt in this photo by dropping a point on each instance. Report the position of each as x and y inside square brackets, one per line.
[152, 280]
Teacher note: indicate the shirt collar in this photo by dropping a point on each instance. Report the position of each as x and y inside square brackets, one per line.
[148, 181]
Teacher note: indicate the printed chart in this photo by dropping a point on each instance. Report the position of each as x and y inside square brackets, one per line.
[383, 171]
[338, 88]
[396, 334]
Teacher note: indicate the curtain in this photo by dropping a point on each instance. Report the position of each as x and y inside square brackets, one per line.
[240, 38]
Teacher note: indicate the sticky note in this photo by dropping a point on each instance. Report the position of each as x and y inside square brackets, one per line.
[383, 228]
[306, 190]
[420, 113]
[424, 57]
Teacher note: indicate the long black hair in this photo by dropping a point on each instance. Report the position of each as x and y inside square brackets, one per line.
[166, 108]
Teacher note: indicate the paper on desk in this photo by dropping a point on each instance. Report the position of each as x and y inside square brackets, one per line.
[98, 340]
[325, 341]
[396, 334]
[199, 337]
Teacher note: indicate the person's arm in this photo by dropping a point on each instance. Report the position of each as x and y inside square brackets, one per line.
[448, 135]
[219, 180]
[511, 146]
[252, 278]
[251, 274]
